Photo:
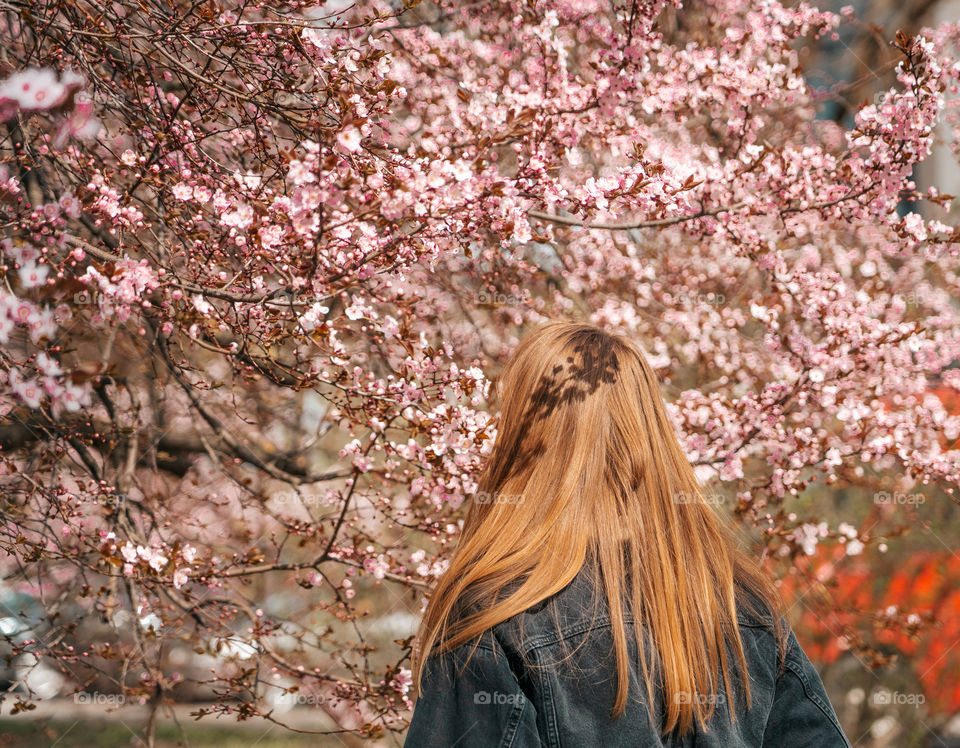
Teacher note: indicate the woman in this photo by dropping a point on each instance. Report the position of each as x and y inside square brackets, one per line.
[588, 534]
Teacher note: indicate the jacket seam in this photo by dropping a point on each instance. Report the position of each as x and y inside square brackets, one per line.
[814, 697]
[516, 715]
[545, 640]
[549, 708]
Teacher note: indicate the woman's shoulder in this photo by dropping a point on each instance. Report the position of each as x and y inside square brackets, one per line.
[753, 610]
[580, 607]
[574, 610]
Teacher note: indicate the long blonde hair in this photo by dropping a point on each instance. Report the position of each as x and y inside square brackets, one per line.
[589, 458]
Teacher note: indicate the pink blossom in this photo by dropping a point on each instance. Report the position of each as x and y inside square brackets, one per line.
[70, 204]
[349, 139]
[732, 468]
[47, 365]
[913, 224]
[78, 123]
[314, 316]
[32, 275]
[28, 390]
[38, 88]
[240, 217]
[377, 566]
[202, 305]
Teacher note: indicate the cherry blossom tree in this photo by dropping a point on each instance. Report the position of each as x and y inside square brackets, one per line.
[261, 260]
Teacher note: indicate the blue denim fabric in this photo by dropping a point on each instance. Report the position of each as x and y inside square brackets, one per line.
[515, 691]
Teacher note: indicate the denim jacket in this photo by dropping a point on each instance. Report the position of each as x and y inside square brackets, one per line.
[500, 700]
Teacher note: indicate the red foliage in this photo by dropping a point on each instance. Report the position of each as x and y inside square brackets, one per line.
[920, 592]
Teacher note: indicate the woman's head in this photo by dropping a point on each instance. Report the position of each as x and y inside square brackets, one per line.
[582, 430]
[587, 465]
